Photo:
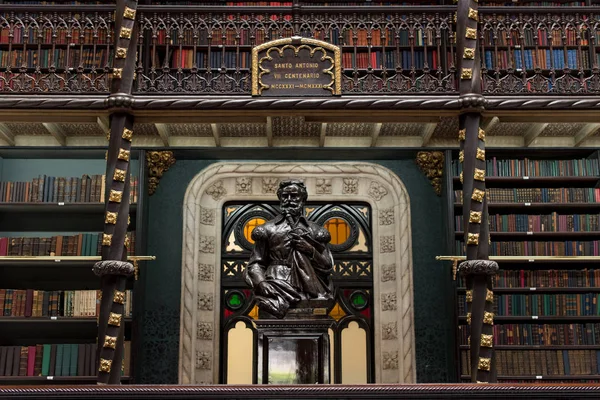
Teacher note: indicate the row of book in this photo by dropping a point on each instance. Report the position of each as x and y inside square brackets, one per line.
[562, 305]
[82, 244]
[56, 303]
[184, 58]
[540, 335]
[58, 35]
[532, 167]
[538, 195]
[345, 37]
[532, 59]
[53, 189]
[553, 222]
[541, 362]
[58, 58]
[55, 360]
[540, 37]
[391, 59]
[527, 248]
[517, 3]
[544, 278]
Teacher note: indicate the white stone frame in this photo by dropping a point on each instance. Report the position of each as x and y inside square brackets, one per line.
[394, 351]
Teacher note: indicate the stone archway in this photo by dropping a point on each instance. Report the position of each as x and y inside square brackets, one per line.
[392, 256]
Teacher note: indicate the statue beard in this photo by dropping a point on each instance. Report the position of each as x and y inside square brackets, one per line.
[293, 210]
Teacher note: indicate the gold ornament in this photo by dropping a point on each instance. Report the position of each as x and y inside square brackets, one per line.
[469, 53]
[489, 296]
[124, 154]
[127, 134]
[487, 340]
[478, 195]
[125, 33]
[117, 73]
[466, 73]
[461, 156]
[462, 135]
[106, 239]
[480, 154]
[469, 296]
[111, 218]
[471, 33]
[119, 297]
[488, 318]
[110, 342]
[469, 318]
[121, 52]
[479, 174]
[129, 13]
[475, 217]
[126, 242]
[461, 177]
[481, 134]
[119, 175]
[473, 14]
[105, 365]
[115, 196]
[484, 364]
[473, 238]
[114, 319]
[158, 163]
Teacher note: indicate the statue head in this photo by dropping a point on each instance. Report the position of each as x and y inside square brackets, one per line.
[292, 195]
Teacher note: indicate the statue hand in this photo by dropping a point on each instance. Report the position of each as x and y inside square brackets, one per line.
[300, 244]
[266, 289]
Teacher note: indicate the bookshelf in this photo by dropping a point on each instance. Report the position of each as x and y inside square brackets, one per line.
[52, 284]
[542, 203]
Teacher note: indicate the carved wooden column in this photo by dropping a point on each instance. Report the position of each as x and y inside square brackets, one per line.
[478, 269]
[114, 268]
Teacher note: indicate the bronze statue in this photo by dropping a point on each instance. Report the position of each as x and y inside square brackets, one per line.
[291, 260]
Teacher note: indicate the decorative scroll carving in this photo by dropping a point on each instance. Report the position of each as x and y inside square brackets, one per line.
[431, 164]
[158, 163]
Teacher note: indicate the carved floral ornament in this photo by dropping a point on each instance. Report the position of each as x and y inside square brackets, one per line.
[431, 164]
[158, 163]
[246, 181]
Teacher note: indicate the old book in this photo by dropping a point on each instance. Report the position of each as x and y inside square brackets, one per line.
[39, 353]
[46, 352]
[10, 352]
[53, 353]
[3, 351]
[23, 361]
[60, 351]
[81, 352]
[31, 350]
[74, 352]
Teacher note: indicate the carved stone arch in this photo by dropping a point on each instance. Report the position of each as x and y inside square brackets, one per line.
[394, 355]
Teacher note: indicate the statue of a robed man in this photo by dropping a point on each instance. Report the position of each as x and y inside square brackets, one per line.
[291, 260]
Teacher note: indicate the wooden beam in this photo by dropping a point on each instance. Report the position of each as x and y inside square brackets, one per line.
[323, 134]
[375, 133]
[164, 133]
[269, 131]
[488, 123]
[585, 132]
[6, 134]
[215, 132]
[427, 133]
[533, 132]
[56, 131]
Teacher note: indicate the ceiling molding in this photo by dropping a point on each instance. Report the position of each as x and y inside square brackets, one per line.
[269, 131]
[375, 134]
[57, 132]
[6, 134]
[323, 134]
[216, 134]
[488, 123]
[427, 133]
[532, 133]
[164, 133]
[584, 133]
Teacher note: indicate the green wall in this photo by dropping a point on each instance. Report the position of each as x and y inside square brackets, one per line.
[162, 278]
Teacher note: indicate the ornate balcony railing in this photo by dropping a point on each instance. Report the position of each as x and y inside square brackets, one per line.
[386, 49]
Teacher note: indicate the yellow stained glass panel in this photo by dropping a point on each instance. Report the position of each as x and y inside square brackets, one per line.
[249, 227]
[339, 230]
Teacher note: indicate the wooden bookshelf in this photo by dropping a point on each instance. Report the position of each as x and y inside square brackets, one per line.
[521, 213]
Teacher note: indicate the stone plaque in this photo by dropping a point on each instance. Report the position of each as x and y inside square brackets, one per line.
[296, 67]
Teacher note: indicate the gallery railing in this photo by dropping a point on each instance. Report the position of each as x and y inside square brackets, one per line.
[386, 49]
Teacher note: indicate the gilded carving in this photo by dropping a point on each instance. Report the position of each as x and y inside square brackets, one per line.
[106, 239]
[119, 297]
[115, 196]
[471, 33]
[115, 319]
[158, 163]
[431, 163]
[466, 73]
[110, 342]
[487, 340]
[484, 364]
[488, 318]
[105, 365]
[473, 238]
